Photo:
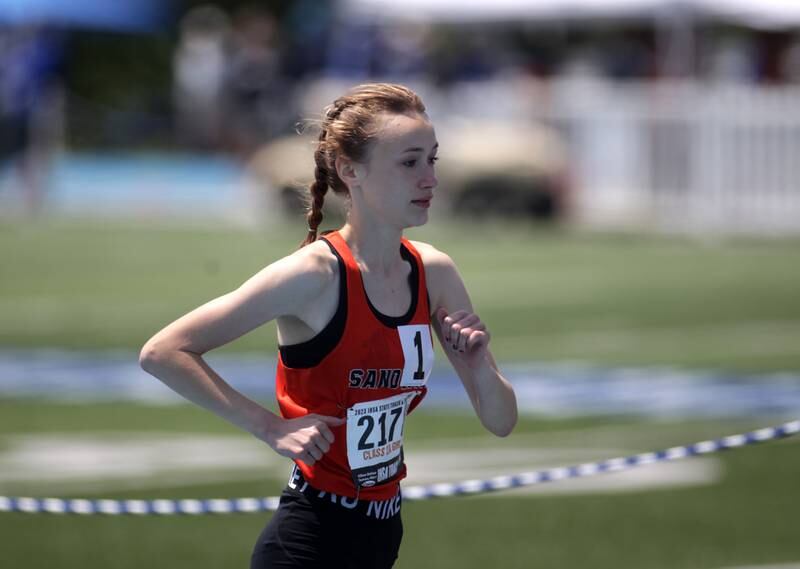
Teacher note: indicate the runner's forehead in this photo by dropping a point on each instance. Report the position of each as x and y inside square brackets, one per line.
[402, 133]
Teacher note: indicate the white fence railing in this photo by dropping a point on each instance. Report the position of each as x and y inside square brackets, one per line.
[683, 156]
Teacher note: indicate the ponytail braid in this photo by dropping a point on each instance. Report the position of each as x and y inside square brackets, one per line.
[318, 189]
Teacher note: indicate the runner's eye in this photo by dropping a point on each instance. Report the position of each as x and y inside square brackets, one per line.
[410, 163]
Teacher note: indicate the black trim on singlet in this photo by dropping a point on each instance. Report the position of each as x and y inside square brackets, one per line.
[413, 281]
[311, 352]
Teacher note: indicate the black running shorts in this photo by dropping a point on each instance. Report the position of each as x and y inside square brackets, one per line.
[315, 529]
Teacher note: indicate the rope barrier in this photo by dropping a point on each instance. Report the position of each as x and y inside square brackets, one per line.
[412, 493]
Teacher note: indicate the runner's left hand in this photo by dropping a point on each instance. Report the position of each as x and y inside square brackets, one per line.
[465, 336]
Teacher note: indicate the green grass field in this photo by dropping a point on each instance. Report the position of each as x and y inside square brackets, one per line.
[747, 517]
[547, 296]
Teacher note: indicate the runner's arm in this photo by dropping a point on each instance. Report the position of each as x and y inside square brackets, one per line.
[465, 340]
[174, 355]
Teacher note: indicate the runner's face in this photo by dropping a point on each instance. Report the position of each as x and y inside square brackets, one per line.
[398, 177]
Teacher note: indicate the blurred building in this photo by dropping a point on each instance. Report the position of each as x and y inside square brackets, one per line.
[678, 115]
[674, 115]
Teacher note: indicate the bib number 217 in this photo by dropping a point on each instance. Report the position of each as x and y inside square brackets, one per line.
[367, 422]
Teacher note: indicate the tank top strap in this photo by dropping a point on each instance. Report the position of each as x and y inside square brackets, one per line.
[335, 238]
[423, 305]
[355, 299]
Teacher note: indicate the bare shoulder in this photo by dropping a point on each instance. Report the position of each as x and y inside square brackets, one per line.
[288, 288]
[289, 285]
[445, 285]
[306, 272]
[315, 259]
[436, 262]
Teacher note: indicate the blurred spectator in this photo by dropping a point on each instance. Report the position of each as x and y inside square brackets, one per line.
[402, 51]
[582, 62]
[199, 68]
[351, 51]
[308, 27]
[31, 109]
[790, 62]
[734, 59]
[628, 56]
[258, 101]
[476, 58]
[466, 53]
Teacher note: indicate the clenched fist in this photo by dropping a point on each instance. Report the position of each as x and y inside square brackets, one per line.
[464, 335]
[305, 438]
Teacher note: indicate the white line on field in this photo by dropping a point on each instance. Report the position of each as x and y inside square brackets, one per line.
[786, 566]
[60, 463]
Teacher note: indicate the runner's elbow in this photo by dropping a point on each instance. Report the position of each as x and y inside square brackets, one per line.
[503, 426]
[504, 430]
[151, 355]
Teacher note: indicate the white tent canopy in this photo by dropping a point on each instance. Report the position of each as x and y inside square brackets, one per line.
[499, 10]
[757, 13]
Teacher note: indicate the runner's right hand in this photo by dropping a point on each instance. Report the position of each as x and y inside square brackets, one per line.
[305, 438]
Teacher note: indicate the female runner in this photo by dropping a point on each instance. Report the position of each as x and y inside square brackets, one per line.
[354, 309]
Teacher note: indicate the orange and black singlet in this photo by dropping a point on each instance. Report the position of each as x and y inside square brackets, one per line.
[364, 366]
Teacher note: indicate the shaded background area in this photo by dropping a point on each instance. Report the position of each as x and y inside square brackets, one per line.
[647, 114]
[619, 186]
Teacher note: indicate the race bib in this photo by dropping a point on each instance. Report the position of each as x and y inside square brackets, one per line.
[417, 354]
[375, 439]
